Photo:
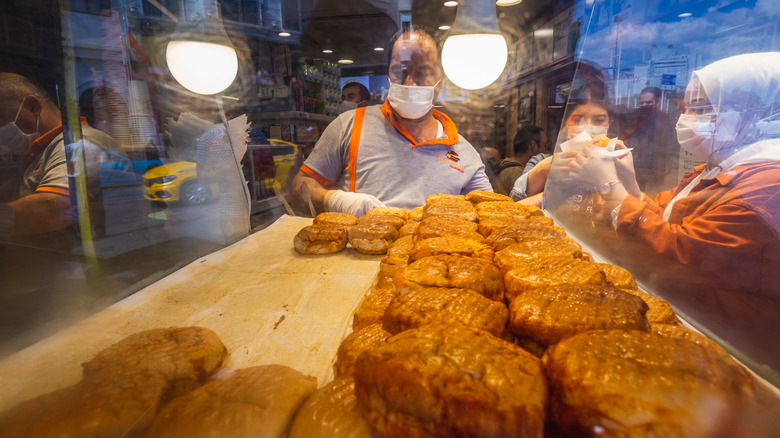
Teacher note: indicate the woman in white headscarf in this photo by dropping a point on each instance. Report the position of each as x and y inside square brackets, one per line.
[717, 232]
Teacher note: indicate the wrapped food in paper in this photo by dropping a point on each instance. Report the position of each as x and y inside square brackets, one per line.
[584, 139]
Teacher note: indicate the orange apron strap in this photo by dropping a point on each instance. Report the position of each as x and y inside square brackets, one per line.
[354, 140]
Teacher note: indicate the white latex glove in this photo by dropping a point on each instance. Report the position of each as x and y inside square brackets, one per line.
[353, 203]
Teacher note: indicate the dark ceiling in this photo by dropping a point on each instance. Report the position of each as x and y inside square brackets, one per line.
[353, 28]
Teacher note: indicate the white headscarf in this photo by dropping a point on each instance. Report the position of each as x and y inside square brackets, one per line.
[742, 89]
[748, 85]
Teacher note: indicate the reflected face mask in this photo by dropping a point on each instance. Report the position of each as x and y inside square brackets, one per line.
[13, 141]
[705, 134]
[411, 101]
[595, 131]
[347, 105]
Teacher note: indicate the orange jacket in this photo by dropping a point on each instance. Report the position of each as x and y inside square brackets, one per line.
[718, 257]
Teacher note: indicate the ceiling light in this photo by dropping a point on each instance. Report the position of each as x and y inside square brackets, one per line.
[475, 53]
[685, 15]
[508, 2]
[327, 51]
[451, 4]
[379, 49]
[200, 55]
[444, 27]
[284, 34]
[345, 61]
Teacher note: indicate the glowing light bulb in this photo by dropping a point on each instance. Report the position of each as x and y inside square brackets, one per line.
[475, 52]
[474, 61]
[204, 68]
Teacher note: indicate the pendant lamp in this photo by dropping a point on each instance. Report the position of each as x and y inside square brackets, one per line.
[475, 52]
[200, 55]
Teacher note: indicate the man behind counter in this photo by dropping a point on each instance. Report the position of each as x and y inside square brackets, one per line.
[530, 147]
[354, 95]
[397, 153]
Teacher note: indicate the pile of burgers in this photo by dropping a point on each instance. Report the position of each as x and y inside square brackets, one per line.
[487, 320]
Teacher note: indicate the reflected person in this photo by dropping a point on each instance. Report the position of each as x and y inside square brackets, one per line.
[196, 133]
[32, 146]
[650, 133]
[35, 194]
[711, 244]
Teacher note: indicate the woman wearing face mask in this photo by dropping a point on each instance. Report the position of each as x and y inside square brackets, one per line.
[394, 154]
[712, 242]
[589, 116]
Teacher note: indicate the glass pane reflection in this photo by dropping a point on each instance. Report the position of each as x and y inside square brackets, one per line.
[692, 209]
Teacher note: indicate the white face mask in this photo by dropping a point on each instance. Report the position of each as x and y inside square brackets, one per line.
[14, 142]
[411, 101]
[347, 105]
[595, 131]
[705, 134]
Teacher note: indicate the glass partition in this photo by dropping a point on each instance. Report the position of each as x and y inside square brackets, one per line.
[667, 160]
[137, 136]
[124, 173]
[153, 132]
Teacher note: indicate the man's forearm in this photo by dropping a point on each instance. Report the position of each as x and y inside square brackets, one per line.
[40, 213]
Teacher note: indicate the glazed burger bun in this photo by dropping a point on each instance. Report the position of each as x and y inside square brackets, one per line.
[341, 219]
[477, 196]
[389, 211]
[372, 237]
[320, 239]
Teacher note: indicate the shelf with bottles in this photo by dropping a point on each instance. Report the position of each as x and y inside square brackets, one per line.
[315, 87]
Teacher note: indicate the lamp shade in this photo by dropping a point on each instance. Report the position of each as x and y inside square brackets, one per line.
[200, 55]
[475, 53]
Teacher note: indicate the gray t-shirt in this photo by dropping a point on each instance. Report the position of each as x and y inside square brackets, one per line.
[390, 168]
[47, 171]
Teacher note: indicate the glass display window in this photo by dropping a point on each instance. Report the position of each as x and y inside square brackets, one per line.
[152, 153]
[676, 106]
